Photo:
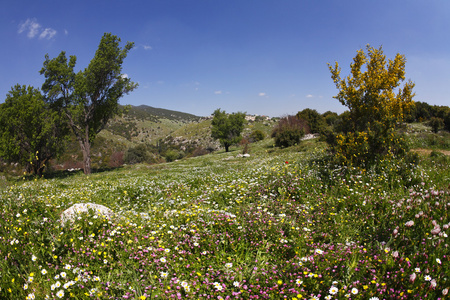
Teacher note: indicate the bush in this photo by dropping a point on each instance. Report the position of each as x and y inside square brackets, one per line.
[199, 151]
[315, 121]
[256, 136]
[436, 124]
[172, 155]
[289, 131]
[136, 155]
[365, 148]
[116, 159]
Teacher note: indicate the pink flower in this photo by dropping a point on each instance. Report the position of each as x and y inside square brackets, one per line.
[412, 277]
[433, 283]
[436, 230]
[409, 223]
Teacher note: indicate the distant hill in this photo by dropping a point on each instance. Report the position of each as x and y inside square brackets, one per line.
[147, 124]
[145, 112]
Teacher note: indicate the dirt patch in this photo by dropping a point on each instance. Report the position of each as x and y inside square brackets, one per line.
[428, 151]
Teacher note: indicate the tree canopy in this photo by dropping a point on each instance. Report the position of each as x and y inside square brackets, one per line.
[30, 133]
[316, 121]
[89, 98]
[372, 92]
[227, 128]
[376, 100]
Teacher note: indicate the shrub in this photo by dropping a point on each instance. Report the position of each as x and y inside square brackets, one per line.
[436, 124]
[289, 131]
[316, 121]
[136, 155]
[199, 151]
[116, 159]
[256, 136]
[374, 107]
[244, 143]
[172, 155]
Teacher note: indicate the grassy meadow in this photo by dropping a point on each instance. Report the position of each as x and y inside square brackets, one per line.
[280, 224]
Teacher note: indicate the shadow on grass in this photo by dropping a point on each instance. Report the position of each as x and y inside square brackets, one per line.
[59, 174]
[65, 173]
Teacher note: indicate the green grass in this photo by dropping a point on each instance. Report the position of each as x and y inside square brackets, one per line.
[278, 224]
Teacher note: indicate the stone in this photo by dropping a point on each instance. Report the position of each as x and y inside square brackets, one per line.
[71, 213]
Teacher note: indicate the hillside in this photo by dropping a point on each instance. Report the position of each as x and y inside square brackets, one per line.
[158, 130]
[146, 124]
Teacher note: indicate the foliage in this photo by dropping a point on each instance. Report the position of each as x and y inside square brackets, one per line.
[227, 128]
[136, 155]
[422, 112]
[172, 155]
[256, 136]
[30, 133]
[436, 124]
[426, 140]
[376, 103]
[116, 159]
[89, 98]
[289, 131]
[315, 121]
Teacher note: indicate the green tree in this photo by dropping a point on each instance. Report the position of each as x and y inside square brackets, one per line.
[227, 128]
[376, 102]
[256, 136]
[316, 121]
[89, 98]
[30, 133]
[436, 124]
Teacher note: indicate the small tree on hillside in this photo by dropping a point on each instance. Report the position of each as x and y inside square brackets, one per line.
[376, 102]
[316, 121]
[227, 128]
[90, 98]
[289, 131]
[436, 124]
[30, 133]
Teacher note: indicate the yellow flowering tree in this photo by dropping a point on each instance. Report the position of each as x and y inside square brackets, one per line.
[378, 99]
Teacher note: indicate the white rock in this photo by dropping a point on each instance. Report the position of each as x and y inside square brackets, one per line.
[71, 213]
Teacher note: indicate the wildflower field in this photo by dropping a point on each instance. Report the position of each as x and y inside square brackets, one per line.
[280, 224]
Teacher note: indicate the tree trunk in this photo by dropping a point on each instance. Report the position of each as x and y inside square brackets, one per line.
[86, 149]
[227, 147]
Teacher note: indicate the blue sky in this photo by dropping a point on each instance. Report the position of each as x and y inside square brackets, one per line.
[261, 57]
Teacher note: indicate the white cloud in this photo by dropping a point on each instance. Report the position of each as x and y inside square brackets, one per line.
[66, 32]
[218, 92]
[32, 28]
[147, 47]
[309, 96]
[261, 94]
[48, 33]
[124, 75]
